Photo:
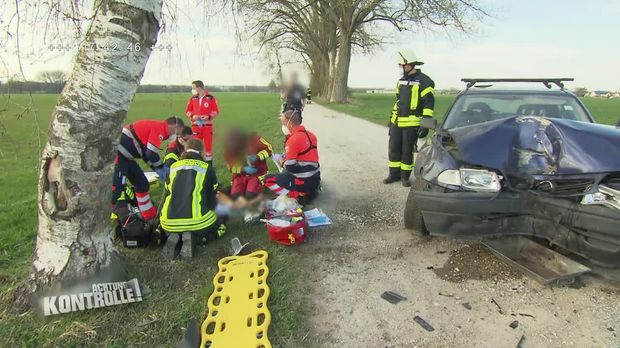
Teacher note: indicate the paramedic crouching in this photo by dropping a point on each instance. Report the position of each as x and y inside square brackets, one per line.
[188, 213]
[301, 178]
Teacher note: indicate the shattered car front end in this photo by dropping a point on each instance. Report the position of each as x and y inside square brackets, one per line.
[551, 178]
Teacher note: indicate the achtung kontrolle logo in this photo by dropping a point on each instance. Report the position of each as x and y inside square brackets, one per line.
[102, 295]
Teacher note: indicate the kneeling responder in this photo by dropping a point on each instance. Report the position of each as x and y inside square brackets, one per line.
[414, 100]
[142, 139]
[188, 210]
[301, 178]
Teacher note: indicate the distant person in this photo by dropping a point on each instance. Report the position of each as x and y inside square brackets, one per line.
[142, 139]
[294, 94]
[308, 95]
[201, 109]
[414, 100]
[301, 176]
[188, 213]
[176, 148]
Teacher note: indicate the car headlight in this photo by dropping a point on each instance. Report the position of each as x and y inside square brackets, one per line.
[471, 179]
[606, 196]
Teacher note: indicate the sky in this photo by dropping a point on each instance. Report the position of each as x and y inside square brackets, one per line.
[526, 38]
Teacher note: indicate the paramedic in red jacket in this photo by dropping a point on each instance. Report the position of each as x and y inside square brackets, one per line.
[201, 110]
[142, 139]
[301, 177]
[246, 157]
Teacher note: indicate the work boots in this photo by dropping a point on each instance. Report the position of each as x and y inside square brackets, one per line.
[187, 248]
[170, 248]
[404, 178]
[393, 176]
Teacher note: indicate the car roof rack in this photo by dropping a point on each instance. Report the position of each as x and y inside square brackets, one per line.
[545, 81]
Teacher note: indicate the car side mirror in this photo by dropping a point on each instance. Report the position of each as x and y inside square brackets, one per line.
[428, 123]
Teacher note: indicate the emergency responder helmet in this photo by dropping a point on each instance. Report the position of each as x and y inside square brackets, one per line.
[408, 57]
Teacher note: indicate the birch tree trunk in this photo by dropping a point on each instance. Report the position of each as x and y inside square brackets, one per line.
[341, 73]
[74, 231]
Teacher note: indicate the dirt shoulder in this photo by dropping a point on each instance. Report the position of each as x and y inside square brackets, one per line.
[463, 292]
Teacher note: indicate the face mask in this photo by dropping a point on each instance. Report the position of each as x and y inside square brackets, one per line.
[173, 137]
[194, 91]
[285, 130]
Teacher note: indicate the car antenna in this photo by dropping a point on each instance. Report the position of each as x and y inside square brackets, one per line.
[548, 82]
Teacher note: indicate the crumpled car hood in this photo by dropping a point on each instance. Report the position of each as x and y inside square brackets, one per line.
[539, 146]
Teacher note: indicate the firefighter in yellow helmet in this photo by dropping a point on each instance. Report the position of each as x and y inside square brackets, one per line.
[414, 100]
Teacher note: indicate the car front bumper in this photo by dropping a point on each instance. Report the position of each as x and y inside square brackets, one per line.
[590, 231]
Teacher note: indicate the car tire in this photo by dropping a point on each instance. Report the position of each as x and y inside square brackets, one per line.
[413, 213]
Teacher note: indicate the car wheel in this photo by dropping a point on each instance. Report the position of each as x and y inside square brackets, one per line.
[413, 214]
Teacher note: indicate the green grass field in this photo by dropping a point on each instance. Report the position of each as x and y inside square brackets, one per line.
[178, 290]
[377, 107]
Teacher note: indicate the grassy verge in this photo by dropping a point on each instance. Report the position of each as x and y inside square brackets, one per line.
[178, 291]
[377, 107]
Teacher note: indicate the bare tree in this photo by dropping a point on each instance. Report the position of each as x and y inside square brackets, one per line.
[74, 234]
[54, 77]
[324, 32]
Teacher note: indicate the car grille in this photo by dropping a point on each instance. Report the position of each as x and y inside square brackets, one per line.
[563, 187]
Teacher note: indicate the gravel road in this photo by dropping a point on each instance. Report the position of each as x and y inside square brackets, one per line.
[466, 295]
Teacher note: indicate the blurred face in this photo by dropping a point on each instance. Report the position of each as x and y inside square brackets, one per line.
[183, 139]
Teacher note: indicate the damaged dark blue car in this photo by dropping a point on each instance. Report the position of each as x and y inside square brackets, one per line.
[529, 162]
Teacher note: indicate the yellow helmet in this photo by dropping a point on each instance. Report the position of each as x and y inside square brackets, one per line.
[408, 57]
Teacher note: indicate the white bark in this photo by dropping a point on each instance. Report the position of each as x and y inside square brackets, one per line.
[74, 233]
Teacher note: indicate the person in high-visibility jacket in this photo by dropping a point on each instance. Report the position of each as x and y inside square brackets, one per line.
[188, 212]
[414, 100]
[142, 139]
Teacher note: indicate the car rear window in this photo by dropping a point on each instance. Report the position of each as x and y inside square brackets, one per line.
[478, 108]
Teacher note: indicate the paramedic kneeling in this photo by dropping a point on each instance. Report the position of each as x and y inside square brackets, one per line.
[301, 177]
[188, 211]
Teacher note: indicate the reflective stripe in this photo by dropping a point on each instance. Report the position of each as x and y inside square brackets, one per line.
[145, 207]
[136, 143]
[306, 174]
[409, 121]
[415, 90]
[293, 162]
[427, 112]
[426, 91]
[266, 143]
[393, 164]
[198, 169]
[124, 152]
[176, 225]
[264, 154]
[196, 194]
[152, 147]
[406, 166]
[171, 156]
[143, 198]
[156, 164]
[236, 169]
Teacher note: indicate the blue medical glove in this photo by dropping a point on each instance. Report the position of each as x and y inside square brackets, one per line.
[278, 157]
[250, 170]
[252, 159]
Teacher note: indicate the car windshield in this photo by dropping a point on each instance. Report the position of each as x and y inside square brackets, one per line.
[471, 109]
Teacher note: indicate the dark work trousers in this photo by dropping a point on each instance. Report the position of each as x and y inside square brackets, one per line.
[129, 169]
[400, 154]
